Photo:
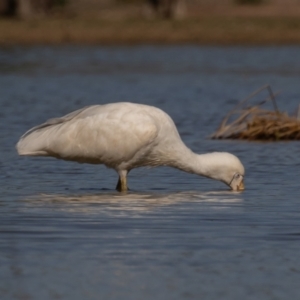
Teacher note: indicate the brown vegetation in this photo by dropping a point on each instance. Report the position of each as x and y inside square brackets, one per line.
[109, 22]
[213, 31]
[255, 123]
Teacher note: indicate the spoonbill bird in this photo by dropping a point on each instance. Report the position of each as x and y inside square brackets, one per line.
[124, 136]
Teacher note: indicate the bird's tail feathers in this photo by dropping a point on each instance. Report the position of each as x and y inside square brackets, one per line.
[34, 141]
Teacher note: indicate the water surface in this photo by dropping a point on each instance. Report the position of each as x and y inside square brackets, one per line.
[66, 234]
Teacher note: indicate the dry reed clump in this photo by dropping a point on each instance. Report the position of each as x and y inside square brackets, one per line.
[255, 123]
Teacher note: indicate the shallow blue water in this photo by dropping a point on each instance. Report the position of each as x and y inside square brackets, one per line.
[66, 234]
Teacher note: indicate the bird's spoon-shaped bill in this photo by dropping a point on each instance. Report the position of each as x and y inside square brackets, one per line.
[237, 182]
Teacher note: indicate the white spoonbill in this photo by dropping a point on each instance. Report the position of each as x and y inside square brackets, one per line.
[124, 136]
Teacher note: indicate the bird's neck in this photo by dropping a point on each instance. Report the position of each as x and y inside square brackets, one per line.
[200, 164]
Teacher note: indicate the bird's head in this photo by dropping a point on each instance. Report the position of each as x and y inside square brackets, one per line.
[237, 182]
[227, 168]
[233, 172]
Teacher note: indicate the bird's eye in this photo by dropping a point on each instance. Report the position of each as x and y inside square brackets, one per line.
[237, 175]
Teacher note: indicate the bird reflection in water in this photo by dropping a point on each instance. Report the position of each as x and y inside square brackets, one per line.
[134, 202]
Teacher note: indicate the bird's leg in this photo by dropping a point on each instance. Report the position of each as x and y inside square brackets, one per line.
[122, 182]
[118, 187]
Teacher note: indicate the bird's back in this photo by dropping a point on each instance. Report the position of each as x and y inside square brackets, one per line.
[113, 134]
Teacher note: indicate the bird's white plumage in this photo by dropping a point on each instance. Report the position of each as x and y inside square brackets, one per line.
[123, 136]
